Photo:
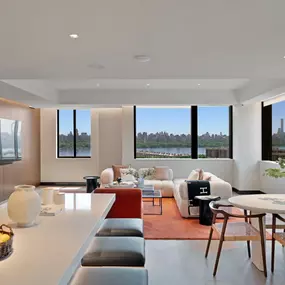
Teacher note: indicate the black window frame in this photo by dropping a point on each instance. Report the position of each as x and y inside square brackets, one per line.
[194, 134]
[74, 138]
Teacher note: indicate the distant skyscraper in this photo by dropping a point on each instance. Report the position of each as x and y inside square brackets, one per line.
[282, 126]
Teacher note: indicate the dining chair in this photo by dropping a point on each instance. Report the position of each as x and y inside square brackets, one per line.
[235, 231]
[279, 236]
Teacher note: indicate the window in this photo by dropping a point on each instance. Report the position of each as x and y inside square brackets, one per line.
[74, 132]
[162, 132]
[183, 132]
[278, 134]
[213, 132]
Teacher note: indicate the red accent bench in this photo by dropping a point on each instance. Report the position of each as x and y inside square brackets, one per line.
[128, 202]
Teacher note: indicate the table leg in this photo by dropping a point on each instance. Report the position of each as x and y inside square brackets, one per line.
[256, 246]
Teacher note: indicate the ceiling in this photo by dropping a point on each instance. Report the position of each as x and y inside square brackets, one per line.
[193, 44]
[186, 39]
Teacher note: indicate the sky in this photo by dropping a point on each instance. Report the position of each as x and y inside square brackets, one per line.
[278, 112]
[177, 120]
[83, 121]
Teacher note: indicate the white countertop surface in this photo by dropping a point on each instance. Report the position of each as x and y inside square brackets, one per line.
[260, 203]
[50, 252]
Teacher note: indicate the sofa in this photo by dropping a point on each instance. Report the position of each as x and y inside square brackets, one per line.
[128, 203]
[165, 184]
[218, 187]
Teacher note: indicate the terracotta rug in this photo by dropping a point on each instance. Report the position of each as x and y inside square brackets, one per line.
[170, 225]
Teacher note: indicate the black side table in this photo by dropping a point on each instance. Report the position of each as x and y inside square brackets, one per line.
[91, 183]
[205, 213]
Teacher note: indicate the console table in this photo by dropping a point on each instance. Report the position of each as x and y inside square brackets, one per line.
[51, 251]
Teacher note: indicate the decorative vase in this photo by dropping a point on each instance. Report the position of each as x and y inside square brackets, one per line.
[24, 205]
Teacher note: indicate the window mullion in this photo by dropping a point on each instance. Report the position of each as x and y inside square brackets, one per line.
[74, 133]
[194, 132]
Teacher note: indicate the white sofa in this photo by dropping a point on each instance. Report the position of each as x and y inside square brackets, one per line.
[166, 186]
[218, 187]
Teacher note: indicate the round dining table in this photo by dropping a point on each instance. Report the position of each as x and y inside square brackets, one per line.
[260, 203]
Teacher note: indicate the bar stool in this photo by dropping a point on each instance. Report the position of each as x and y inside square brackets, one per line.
[121, 227]
[110, 276]
[115, 251]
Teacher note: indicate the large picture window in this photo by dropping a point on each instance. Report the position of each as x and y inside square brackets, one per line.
[74, 133]
[278, 132]
[163, 132]
[213, 132]
[183, 132]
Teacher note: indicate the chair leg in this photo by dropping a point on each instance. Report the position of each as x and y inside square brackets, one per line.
[262, 240]
[248, 249]
[248, 242]
[273, 243]
[209, 242]
[222, 238]
[218, 256]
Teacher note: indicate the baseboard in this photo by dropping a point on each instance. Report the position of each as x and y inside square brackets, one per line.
[63, 184]
[247, 192]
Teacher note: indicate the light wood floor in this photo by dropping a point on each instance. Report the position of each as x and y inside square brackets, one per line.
[182, 262]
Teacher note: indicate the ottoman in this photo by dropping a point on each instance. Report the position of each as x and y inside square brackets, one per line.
[121, 227]
[115, 251]
[110, 276]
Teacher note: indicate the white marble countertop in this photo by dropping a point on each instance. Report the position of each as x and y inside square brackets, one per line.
[261, 203]
[50, 252]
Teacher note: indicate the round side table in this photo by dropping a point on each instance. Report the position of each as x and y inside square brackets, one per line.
[91, 183]
[205, 213]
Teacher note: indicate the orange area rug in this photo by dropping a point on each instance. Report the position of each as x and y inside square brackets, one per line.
[170, 225]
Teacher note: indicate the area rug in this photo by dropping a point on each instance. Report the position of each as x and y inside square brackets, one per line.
[170, 225]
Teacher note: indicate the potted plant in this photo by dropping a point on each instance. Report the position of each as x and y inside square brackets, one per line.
[277, 172]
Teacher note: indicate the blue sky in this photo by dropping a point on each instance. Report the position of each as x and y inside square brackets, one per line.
[278, 112]
[83, 121]
[177, 120]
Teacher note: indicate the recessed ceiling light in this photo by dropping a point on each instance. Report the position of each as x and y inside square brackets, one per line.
[142, 58]
[98, 84]
[74, 36]
[147, 85]
[96, 65]
[199, 84]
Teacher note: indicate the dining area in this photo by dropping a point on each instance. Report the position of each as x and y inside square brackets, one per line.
[257, 219]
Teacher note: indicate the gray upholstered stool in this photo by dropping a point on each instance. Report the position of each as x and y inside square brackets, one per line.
[115, 251]
[110, 276]
[121, 227]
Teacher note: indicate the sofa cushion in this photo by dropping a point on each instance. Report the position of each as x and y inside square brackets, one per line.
[194, 175]
[110, 276]
[115, 251]
[156, 183]
[116, 169]
[161, 172]
[167, 188]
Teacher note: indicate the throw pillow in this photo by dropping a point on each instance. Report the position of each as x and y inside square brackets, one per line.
[207, 176]
[162, 173]
[146, 173]
[116, 169]
[129, 171]
[201, 173]
[194, 175]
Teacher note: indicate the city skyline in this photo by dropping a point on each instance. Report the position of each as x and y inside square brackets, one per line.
[178, 120]
[278, 113]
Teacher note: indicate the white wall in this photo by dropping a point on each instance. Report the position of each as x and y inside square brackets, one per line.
[181, 167]
[106, 147]
[270, 185]
[247, 146]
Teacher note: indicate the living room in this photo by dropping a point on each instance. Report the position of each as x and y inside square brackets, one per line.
[115, 124]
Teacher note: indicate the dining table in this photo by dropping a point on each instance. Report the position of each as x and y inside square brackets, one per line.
[257, 204]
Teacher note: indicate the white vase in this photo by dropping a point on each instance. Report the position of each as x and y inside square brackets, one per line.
[24, 205]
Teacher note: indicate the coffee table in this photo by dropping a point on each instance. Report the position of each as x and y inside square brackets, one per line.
[156, 194]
